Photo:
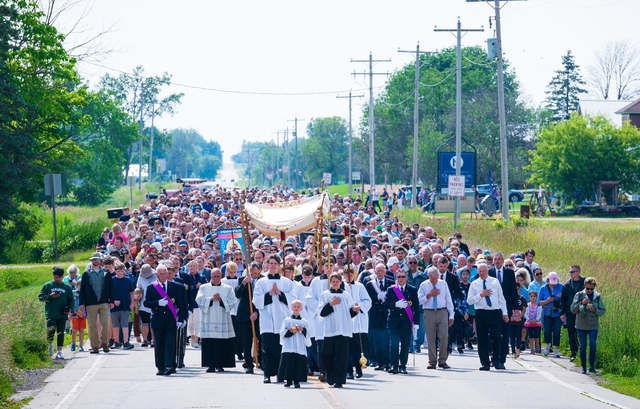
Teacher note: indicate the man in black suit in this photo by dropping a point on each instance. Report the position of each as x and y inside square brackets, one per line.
[400, 323]
[507, 279]
[378, 332]
[245, 317]
[163, 322]
[176, 277]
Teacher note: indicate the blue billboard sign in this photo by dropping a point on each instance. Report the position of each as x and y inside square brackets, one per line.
[447, 166]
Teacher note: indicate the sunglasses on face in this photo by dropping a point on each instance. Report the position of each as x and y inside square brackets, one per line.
[574, 271]
[412, 262]
[403, 276]
[589, 288]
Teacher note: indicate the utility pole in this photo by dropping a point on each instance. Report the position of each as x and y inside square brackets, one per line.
[140, 141]
[287, 151]
[350, 176]
[153, 115]
[458, 32]
[295, 136]
[501, 109]
[372, 167]
[416, 123]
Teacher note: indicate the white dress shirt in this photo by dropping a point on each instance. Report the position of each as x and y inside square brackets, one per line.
[444, 298]
[497, 298]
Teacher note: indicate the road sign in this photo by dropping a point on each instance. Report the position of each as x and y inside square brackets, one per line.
[456, 185]
[52, 184]
[355, 176]
[326, 177]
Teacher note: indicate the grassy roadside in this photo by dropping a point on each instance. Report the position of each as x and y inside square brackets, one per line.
[604, 250]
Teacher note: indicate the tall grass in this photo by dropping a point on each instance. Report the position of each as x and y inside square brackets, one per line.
[605, 250]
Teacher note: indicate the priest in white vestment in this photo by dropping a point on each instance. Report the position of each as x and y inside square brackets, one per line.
[216, 301]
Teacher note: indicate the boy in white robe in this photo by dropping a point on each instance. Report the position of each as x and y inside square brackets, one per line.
[294, 339]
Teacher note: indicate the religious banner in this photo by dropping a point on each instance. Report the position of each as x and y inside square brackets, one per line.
[229, 237]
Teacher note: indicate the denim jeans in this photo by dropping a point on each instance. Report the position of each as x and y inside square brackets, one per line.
[582, 336]
[552, 326]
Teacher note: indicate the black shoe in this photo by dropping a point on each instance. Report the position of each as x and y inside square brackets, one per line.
[288, 384]
[403, 371]
[417, 350]
[500, 366]
[111, 343]
[393, 370]
[592, 370]
[240, 357]
[583, 371]
[460, 350]
[94, 351]
[211, 370]
[350, 375]
[337, 385]
[160, 372]
[249, 371]
[245, 366]
[296, 385]
[572, 358]
[220, 369]
[380, 368]
[358, 372]
[170, 371]
[266, 380]
[485, 368]
[470, 346]
[144, 344]
[181, 365]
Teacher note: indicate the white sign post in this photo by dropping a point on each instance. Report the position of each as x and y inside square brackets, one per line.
[456, 186]
[326, 177]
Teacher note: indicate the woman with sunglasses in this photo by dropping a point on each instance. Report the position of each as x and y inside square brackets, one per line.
[588, 307]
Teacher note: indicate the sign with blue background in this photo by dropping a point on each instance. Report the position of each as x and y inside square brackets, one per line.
[447, 166]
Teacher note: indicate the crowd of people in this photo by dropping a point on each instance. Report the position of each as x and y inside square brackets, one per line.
[371, 295]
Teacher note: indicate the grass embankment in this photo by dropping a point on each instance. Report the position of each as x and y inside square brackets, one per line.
[603, 249]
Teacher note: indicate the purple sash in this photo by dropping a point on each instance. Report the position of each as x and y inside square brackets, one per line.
[401, 296]
[164, 295]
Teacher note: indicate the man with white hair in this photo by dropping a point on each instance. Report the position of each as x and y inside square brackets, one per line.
[435, 299]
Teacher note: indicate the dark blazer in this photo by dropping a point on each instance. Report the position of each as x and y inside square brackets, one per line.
[183, 289]
[162, 317]
[88, 295]
[243, 302]
[509, 289]
[206, 275]
[454, 285]
[378, 312]
[398, 318]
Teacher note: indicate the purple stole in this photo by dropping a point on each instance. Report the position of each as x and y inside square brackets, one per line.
[401, 296]
[164, 295]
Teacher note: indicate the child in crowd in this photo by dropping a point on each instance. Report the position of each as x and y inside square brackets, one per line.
[294, 340]
[533, 321]
[134, 315]
[78, 320]
[516, 323]
[465, 275]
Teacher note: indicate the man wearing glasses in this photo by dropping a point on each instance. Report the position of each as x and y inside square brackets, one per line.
[416, 277]
[403, 320]
[574, 285]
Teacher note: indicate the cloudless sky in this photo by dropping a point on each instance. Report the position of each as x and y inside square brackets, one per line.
[307, 46]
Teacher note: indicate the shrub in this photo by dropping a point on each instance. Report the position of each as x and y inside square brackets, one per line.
[12, 279]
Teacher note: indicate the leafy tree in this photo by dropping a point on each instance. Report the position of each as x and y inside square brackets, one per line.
[582, 151]
[394, 109]
[326, 148]
[135, 92]
[563, 95]
[191, 155]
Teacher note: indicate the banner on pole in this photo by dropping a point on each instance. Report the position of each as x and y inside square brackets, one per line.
[228, 238]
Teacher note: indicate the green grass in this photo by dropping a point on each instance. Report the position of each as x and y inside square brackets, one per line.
[604, 250]
[121, 197]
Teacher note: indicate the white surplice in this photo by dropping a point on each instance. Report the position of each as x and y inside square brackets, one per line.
[272, 315]
[215, 319]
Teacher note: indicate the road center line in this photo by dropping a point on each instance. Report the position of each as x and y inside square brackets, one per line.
[80, 385]
[569, 386]
[326, 393]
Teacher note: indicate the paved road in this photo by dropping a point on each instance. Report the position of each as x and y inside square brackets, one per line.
[227, 174]
[126, 379]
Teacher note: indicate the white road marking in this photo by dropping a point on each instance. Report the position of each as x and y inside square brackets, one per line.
[569, 386]
[80, 385]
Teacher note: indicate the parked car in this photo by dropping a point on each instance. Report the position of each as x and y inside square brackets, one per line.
[514, 195]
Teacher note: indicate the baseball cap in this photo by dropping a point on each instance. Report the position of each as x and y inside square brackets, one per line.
[392, 261]
[182, 242]
[553, 278]
[157, 246]
[96, 256]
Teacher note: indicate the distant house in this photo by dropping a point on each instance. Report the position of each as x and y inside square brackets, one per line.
[631, 112]
[606, 107]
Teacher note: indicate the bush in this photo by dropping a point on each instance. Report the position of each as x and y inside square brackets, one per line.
[11, 279]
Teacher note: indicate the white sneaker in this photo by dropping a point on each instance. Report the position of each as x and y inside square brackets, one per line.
[545, 351]
[51, 349]
[59, 355]
[194, 344]
[556, 354]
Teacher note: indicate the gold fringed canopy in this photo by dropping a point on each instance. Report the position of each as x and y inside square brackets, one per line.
[291, 217]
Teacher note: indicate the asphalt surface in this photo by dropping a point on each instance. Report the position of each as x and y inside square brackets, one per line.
[127, 379]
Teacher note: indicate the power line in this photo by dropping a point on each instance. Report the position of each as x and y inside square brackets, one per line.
[227, 91]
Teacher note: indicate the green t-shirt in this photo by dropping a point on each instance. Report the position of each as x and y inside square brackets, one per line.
[53, 306]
